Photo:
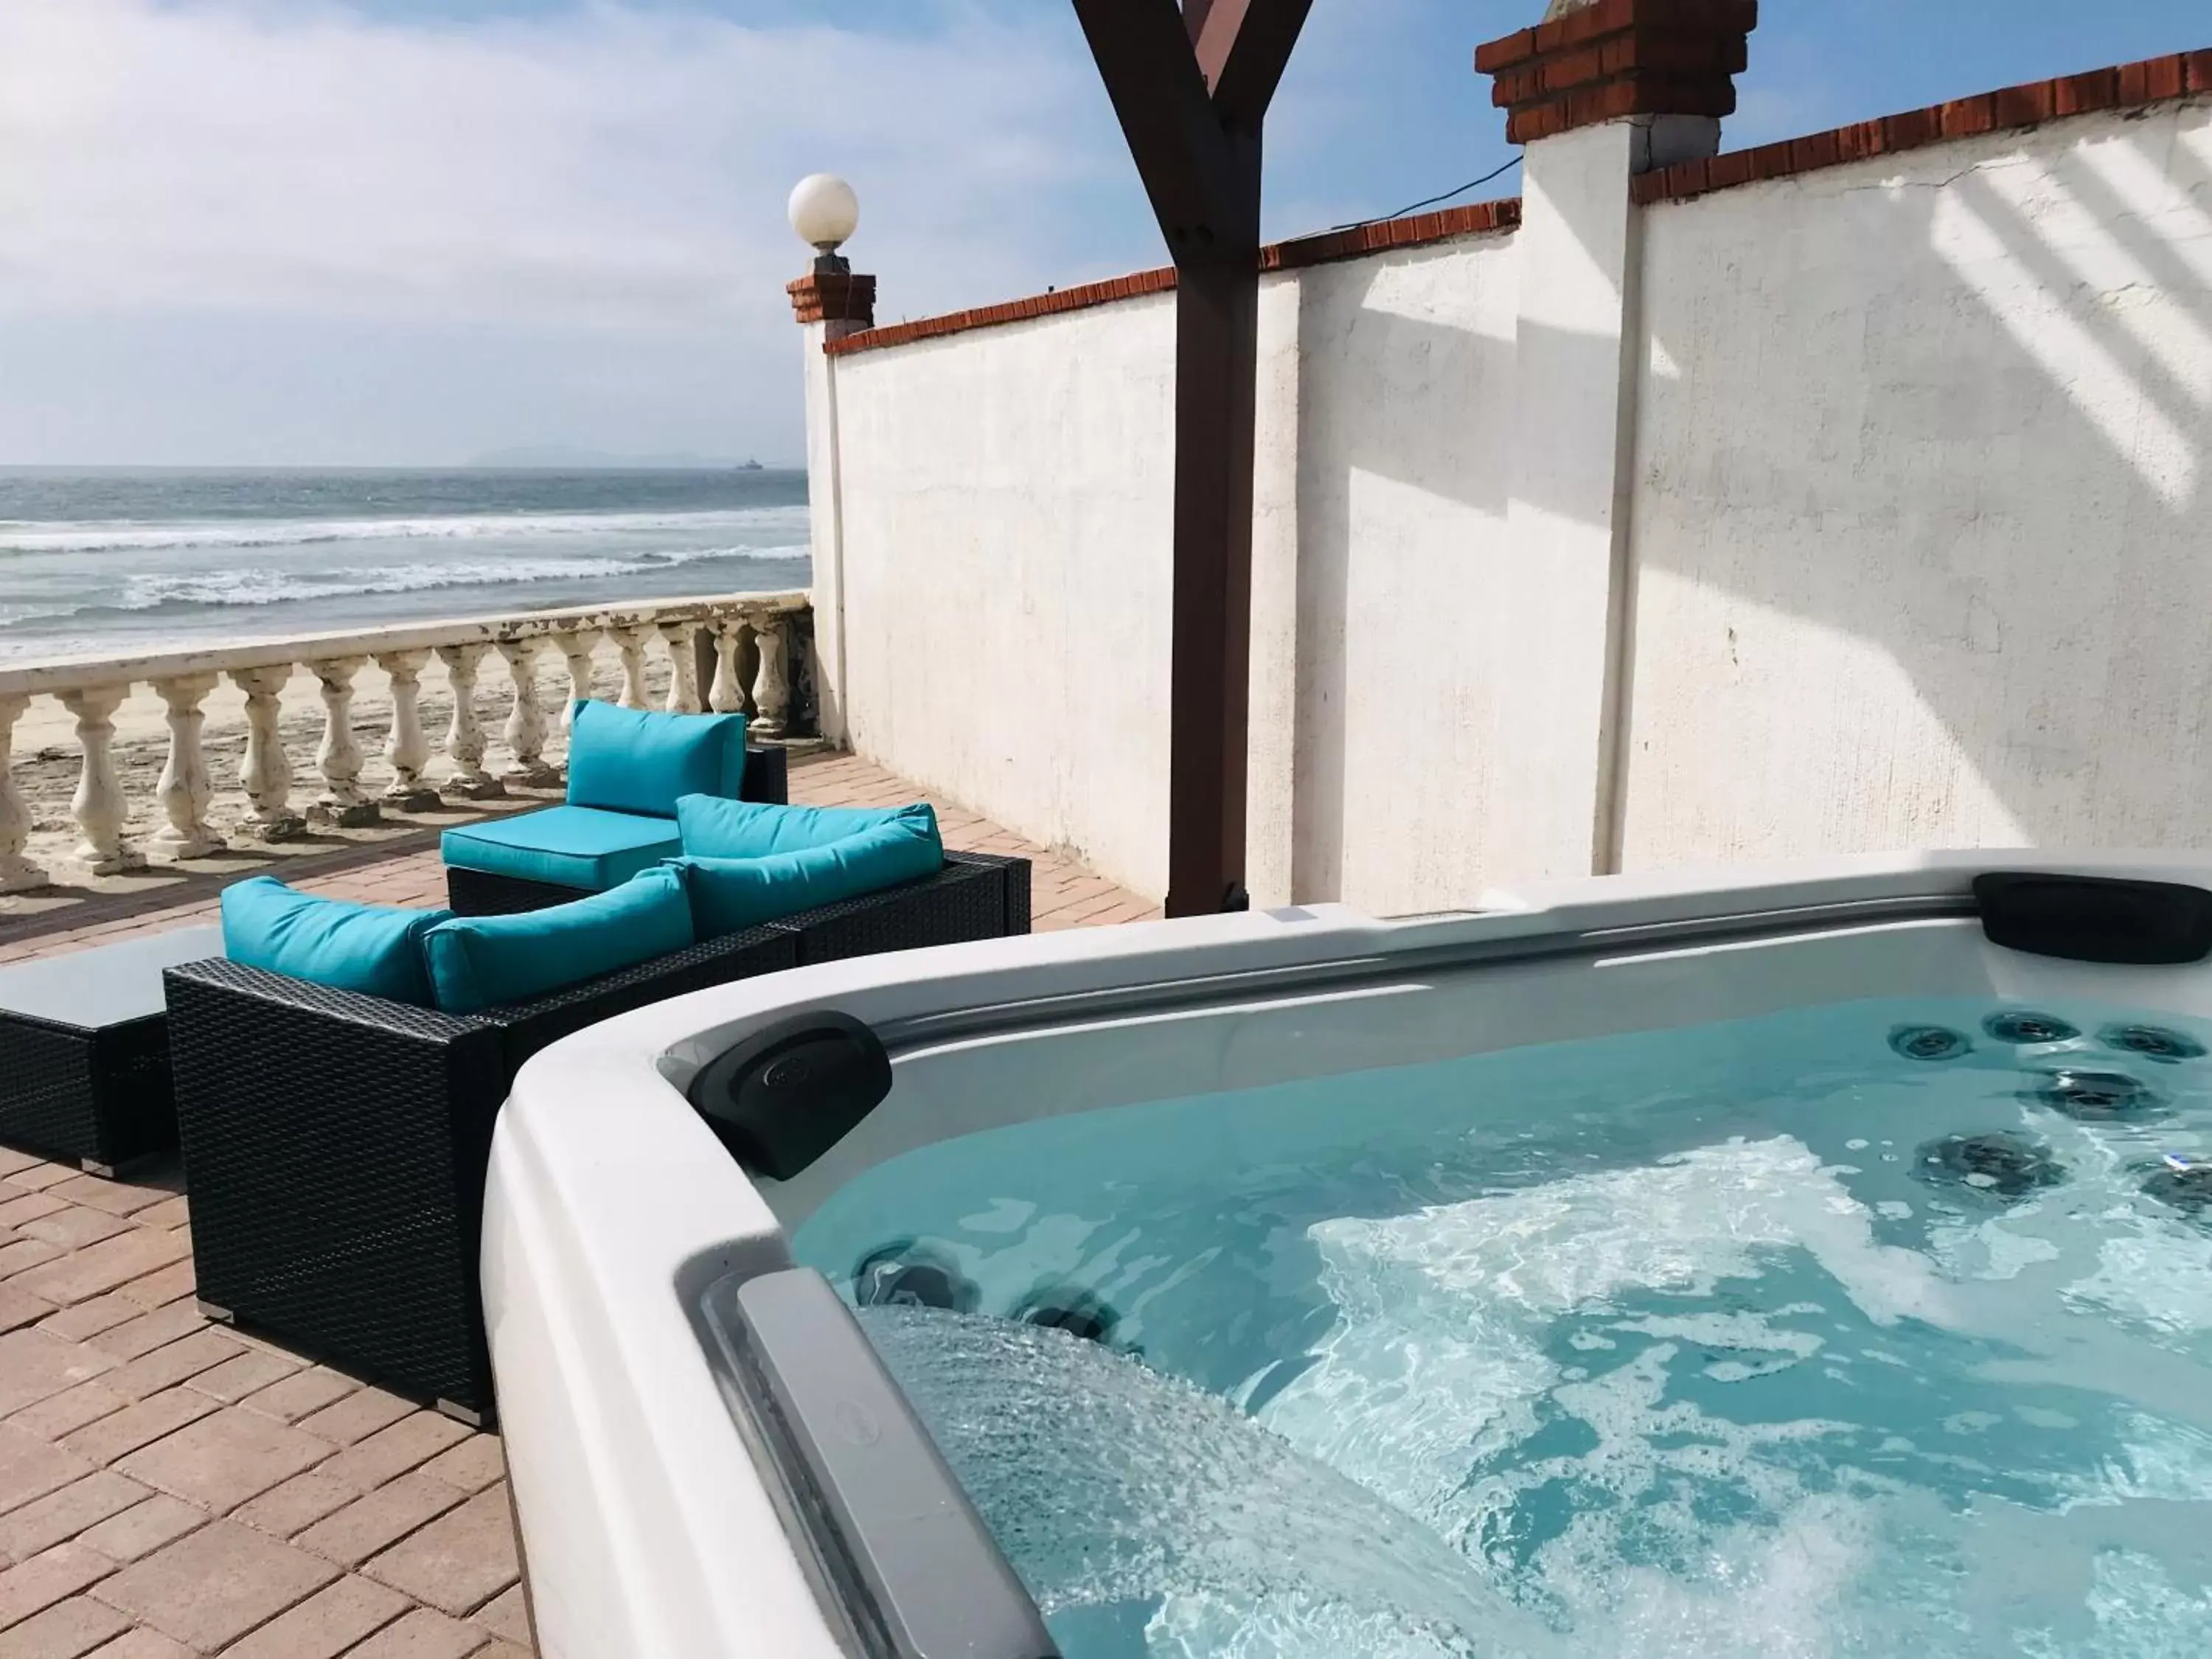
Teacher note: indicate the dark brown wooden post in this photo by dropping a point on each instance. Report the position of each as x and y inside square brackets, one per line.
[1191, 88]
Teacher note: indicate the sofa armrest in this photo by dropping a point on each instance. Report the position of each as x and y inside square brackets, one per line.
[283, 999]
[1014, 878]
[335, 1146]
[529, 1026]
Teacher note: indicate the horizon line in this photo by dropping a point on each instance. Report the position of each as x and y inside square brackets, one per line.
[399, 467]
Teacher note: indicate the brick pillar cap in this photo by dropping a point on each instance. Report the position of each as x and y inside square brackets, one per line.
[1610, 58]
[833, 297]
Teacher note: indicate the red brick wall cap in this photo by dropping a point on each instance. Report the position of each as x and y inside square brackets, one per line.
[833, 297]
[2127, 86]
[1446, 225]
[1618, 58]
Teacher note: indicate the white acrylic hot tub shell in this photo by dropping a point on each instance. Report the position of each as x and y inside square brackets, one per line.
[645, 1527]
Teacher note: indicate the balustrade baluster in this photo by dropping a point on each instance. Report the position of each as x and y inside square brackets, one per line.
[748, 664]
[267, 773]
[727, 695]
[682, 667]
[464, 737]
[98, 806]
[526, 722]
[407, 749]
[576, 651]
[339, 757]
[185, 788]
[630, 642]
[17, 872]
[771, 685]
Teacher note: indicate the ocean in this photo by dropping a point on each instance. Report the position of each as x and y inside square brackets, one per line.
[140, 560]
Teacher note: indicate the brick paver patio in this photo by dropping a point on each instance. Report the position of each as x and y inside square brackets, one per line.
[171, 1487]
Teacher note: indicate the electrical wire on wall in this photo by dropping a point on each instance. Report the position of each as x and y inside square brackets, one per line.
[1432, 201]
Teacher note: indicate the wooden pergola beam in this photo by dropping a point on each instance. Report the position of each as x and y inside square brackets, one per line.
[1242, 47]
[1191, 87]
[1166, 113]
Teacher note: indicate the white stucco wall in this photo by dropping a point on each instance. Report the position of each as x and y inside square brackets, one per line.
[1007, 513]
[1864, 509]
[1006, 521]
[1922, 508]
[1404, 384]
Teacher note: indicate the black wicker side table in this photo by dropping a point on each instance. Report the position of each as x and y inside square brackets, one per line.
[84, 1050]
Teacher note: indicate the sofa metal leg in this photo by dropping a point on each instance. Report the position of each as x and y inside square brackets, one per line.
[461, 1413]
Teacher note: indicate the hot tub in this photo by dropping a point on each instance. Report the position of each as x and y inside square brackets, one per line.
[1808, 1261]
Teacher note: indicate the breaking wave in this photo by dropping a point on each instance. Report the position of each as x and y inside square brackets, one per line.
[263, 585]
[18, 537]
[136, 564]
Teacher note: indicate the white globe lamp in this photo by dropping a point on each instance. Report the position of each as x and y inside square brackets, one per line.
[825, 213]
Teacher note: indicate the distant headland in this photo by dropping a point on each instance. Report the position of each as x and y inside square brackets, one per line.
[564, 458]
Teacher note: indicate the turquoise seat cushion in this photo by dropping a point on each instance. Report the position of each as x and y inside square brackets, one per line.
[715, 829]
[639, 760]
[487, 962]
[373, 949]
[728, 894]
[568, 846]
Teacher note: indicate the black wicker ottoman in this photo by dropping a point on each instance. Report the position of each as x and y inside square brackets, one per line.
[84, 1050]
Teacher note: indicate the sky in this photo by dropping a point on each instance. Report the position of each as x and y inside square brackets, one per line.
[411, 232]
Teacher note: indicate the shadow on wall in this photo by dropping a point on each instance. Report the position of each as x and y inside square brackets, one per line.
[1919, 520]
[1401, 406]
[1933, 478]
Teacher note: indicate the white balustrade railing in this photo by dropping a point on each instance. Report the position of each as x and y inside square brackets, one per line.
[92, 689]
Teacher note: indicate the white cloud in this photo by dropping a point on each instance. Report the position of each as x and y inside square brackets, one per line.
[560, 182]
[603, 164]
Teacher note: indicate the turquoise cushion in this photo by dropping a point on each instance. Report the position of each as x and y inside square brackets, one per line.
[569, 846]
[713, 828]
[730, 894]
[484, 961]
[636, 760]
[370, 948]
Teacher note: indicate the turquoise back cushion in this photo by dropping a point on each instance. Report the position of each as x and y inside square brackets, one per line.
[487, 962]
[730, 894]
[639, 760]
[713, 828]
[370, 948]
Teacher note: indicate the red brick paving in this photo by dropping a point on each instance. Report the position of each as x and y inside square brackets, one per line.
[173, 1488]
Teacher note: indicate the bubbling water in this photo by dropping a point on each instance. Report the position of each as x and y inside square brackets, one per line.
[1781, 1337]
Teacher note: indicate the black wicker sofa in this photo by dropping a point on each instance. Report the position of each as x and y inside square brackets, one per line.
[334, 1145]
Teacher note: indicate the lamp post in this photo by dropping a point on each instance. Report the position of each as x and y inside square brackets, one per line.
[825, 213]
[830, 304]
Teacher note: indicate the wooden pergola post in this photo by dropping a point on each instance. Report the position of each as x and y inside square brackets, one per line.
[1191, 87]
